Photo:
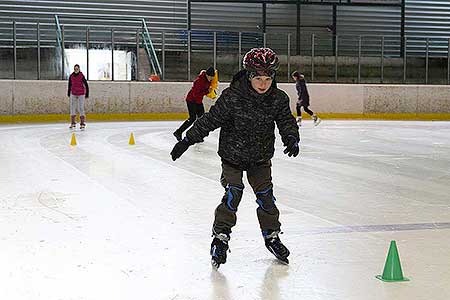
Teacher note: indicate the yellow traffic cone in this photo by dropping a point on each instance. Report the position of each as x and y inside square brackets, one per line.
[131, 142]
[73, 141]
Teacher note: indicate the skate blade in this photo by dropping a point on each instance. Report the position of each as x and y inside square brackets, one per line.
[284, 261]
[317, 123]
[215, 264]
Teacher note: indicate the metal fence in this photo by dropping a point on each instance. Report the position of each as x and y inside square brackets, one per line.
[29, 54]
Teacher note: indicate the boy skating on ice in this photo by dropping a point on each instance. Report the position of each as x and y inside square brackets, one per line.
[246, 114]
[194, 99]
[303, 99]
[77, 90]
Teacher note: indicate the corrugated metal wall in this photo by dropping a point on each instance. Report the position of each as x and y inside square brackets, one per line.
[424, 19]
[123, 15]
[428, 19]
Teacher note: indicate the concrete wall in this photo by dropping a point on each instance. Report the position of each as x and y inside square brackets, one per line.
[26, 97]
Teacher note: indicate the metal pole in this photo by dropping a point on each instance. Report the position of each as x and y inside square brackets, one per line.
[63, 67]
[264, 17]
[298, 26]
[426, 61]
[215, 50]
[264, 39]
[189, 55]
[448, 62]
[359, 59]
[137, 53]
[87, 53]
[189, 14]
[163, 54]
[240, 50]
[14, 51]
[334, 27]
[38, 36]
[112, 54]
[404, 59]
[382, 59]
[402, 28]
[336, 60]
[288, 57]
[313, 50]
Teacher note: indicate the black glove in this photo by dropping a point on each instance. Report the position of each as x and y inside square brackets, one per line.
[180, 148]
[292, 148]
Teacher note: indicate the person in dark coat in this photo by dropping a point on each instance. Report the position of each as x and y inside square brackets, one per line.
[303, 99]
[194, 100]
[246, 113]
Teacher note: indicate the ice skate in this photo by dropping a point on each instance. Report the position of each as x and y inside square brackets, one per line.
[275, 246]
[82, 124]
[73, 123]
[299, 121]
[317, 120]
[219, 248]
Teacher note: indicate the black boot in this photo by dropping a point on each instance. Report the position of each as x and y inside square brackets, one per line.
[274, 244]
[177, 135]
[219, 248]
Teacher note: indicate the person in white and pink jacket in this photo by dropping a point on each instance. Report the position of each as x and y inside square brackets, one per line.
[78, 90]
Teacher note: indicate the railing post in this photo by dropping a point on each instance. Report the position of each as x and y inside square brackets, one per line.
[288, 57]
[137, 53]
[382, 59]
[38, 38]
[215, 49]
[359, 59]
[63, 65]
[336, 59]
[87, 53]
[404, 59]
[189, 55]
[240, 51]
[163, 55]
[312, 55]
[14, 51]
[427, 60]
[448, 62]
[112, 54]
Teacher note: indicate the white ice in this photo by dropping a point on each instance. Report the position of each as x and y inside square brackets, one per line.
[105, 220]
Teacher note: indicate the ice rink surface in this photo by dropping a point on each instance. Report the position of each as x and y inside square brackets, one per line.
[108, 221]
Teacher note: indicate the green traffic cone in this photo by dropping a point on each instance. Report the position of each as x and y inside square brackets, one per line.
[392, 269]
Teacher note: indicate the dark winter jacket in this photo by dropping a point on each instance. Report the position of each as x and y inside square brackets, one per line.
[247, 121]
[78, 85]
[199, 89]
[302, 91]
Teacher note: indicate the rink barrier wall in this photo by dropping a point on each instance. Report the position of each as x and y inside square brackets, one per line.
[46, 101]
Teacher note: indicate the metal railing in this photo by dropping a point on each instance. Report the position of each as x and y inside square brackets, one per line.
[324, 58]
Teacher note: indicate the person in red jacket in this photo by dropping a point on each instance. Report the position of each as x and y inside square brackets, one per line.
[194, 100]
[77, 90]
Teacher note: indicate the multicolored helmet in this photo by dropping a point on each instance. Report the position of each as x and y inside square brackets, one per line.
[261, 61]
